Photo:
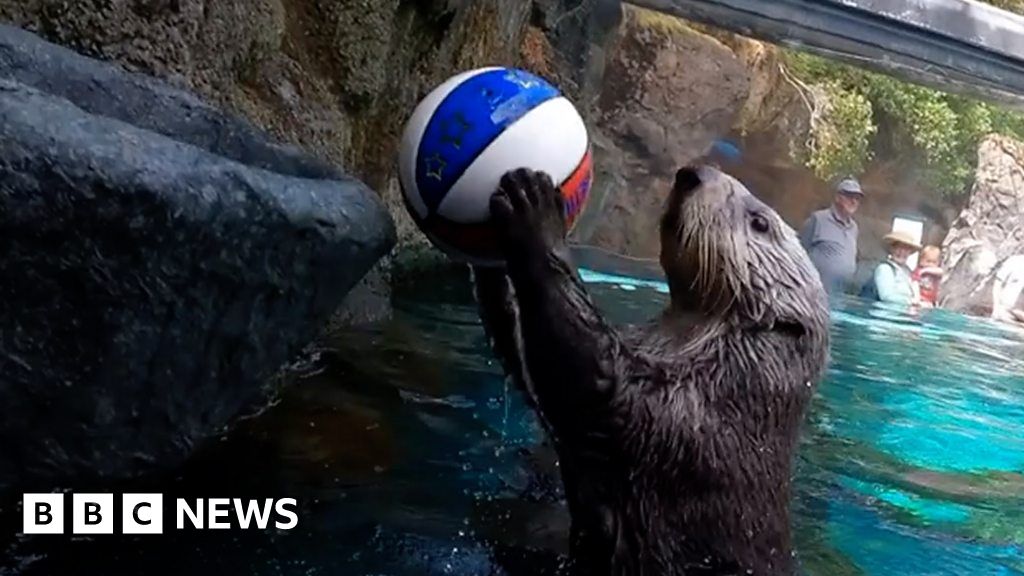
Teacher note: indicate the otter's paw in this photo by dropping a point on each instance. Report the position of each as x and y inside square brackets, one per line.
[529, 212]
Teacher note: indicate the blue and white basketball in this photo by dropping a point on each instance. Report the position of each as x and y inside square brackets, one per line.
[471, 130]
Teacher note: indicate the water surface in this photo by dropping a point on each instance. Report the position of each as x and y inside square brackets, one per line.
[411, 455]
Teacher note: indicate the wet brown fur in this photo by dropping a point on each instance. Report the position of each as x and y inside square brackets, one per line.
[675, 438]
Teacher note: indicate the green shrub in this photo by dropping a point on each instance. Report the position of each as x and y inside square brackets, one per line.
[860, 115]
[840, 141]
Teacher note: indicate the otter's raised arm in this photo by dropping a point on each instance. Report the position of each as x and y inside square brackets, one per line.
[572, 357]
[499, 316]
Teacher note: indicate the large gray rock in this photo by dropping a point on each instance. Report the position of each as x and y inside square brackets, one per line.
[104, 89]
[151, 284]
[1008, 292]
[989, 231]
[983, 286]
[967, 287]
[994, 215]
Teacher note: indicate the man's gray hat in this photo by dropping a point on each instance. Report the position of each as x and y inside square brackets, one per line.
[849, 186]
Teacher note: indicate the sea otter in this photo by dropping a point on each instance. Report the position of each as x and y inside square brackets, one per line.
[675, 439]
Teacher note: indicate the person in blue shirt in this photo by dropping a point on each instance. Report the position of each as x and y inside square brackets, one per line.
[892, 278]
[830, 237]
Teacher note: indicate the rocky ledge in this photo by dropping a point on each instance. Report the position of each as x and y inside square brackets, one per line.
[160, 261]
[984, 250]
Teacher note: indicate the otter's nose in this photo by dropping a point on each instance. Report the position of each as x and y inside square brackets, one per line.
[690, 178]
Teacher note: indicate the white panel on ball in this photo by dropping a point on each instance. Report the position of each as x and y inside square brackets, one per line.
[414, 129]
[551, 138]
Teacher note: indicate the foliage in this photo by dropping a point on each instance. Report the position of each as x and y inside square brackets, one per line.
[659, 21]
[840, 140]
[860, 114]
[1011, 5]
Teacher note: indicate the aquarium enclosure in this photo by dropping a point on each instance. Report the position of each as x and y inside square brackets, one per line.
[239, 336]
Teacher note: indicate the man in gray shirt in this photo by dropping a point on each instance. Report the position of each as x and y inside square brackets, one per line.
[830, 237]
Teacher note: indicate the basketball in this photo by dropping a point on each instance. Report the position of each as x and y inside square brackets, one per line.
[466, 134]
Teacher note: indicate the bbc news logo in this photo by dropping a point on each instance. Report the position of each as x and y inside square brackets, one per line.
[144, 513]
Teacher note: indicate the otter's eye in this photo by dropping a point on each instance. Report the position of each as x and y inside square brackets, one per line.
[759, 223]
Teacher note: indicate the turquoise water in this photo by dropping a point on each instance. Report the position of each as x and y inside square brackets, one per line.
[411, 455]
[913, 459]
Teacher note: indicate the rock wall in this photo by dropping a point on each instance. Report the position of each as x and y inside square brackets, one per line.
[201, 258]
[983, 241]
[671, 90]
[339, 77]
[994, 215]
[335, 77]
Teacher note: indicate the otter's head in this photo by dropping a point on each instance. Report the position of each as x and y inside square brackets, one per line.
[726, 254]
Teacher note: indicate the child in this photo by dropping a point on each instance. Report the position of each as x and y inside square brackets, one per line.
[927, 276]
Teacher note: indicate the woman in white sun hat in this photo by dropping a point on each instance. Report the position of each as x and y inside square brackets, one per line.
[892, 279]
